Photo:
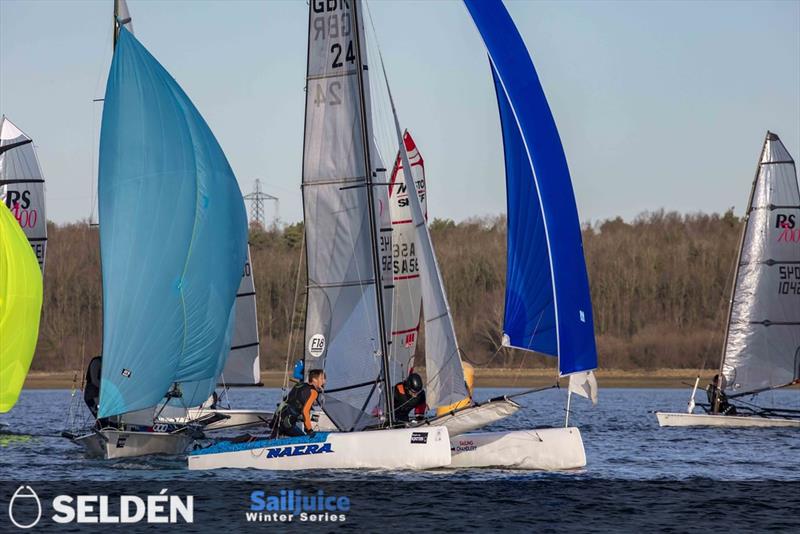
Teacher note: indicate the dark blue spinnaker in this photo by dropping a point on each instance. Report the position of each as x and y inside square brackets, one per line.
[548, 307]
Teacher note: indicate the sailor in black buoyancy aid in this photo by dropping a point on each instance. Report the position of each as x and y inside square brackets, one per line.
[717, 398]
[294, 416]
[409, 395]
[91, 388]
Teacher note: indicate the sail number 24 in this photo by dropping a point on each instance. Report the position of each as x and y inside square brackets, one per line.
[790, 280]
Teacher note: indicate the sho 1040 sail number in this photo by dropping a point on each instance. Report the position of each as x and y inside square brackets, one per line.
[789, 283]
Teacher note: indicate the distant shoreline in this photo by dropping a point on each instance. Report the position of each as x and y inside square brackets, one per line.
[512, 378]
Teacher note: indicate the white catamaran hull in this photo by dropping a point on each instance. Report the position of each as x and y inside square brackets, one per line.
[730, 421]
[475, 417]
[546, 449]
[110, 444]
[378, 449]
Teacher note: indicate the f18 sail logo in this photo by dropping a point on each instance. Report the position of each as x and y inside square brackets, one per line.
[316, 345]
[787, 222]
[25, 508]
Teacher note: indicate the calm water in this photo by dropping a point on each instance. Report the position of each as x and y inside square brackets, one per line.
[621, 436]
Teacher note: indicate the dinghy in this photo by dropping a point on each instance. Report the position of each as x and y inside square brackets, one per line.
[20, 307]
[173, 241]
[761, 352]
[348, 321]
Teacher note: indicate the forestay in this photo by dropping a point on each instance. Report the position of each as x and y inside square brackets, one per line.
[405, 262]
[344, 236]
[20, 307]
[173, 239]
[243, 365]
[548, 307]
[22, 186]
[762, 347]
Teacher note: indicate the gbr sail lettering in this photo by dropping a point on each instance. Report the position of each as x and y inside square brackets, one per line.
[331, 21]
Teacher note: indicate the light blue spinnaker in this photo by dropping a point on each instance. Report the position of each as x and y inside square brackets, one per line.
[173, 238]
[548, 307]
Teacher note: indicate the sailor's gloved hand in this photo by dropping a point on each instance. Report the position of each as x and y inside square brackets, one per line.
[311, 433]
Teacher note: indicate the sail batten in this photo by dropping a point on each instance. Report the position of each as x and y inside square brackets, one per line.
[173, 238]
[548, 305]
[762, 342]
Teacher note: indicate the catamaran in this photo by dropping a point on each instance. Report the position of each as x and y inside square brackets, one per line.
[20, 307]
[761, 352]
[173, 240]
[342, 333]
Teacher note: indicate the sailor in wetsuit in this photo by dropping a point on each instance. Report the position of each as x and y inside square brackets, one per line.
[717, 398]
[409, 395]
[296, 408]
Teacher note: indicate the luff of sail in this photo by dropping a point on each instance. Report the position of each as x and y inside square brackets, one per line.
[20, 308]
[22, 186]
[343, 331]
[548, 306]
[242, 367]
[762, 346]
[407, 303]
[173, 239]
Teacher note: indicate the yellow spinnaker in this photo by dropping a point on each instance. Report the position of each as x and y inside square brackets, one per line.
[20, 307]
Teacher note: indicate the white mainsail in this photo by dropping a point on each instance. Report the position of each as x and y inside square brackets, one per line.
[243, 365]
[22, 186]
[348, 235]
[762, 347]
[405, 263]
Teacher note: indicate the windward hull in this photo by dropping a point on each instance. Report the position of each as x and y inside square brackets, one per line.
[666, 419]
[379, 449]
[546, 449]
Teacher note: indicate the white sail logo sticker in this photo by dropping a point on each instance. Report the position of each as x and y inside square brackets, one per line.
[316, 345]
[25, 492]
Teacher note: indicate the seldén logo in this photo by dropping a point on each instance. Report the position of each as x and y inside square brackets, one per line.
[25, 509]
[21, 508]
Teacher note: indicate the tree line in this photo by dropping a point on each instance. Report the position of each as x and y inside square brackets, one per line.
[659, 287]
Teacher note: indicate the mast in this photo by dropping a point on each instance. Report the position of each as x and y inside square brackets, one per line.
[384, 347]
[715, 407]
[116, 24]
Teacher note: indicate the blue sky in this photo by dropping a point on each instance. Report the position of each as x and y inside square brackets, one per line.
[659, 104]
